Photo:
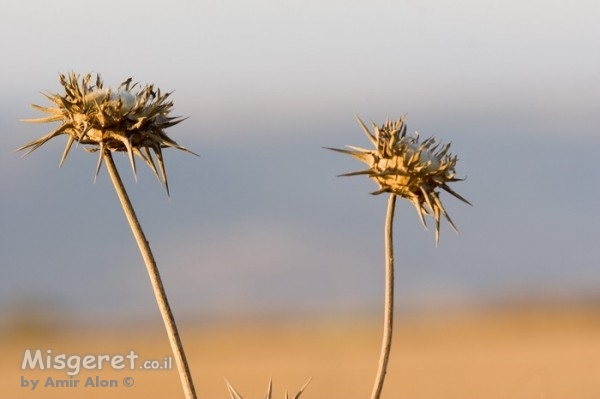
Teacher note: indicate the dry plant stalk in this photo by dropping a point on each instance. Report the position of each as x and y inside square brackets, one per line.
[106, 121]
[403, 166]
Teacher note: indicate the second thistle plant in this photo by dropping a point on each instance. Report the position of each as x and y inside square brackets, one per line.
[121, 120]
[404, 166]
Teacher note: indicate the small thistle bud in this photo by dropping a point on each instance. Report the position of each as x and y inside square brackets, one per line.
[110, 120]
[236, 395]
[403, 165]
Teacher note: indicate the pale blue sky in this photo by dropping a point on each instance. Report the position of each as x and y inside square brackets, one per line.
[259, 221]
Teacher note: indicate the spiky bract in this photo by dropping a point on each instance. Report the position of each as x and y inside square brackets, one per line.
[110, 120]
[235, 394]
[403, 165]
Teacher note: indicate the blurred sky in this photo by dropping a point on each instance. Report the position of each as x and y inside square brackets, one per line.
[260, 222]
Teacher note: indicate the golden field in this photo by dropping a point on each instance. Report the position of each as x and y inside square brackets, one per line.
[505, 353]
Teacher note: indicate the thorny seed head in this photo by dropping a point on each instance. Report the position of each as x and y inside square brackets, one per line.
[235, 394]
[110, 120]
[403, 165]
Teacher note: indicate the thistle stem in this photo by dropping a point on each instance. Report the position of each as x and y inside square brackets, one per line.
[388, 319]
[157, 286]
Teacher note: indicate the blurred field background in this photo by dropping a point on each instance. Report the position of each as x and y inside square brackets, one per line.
[516, 351]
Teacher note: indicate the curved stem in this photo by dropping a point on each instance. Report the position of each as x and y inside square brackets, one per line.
[388, 319]
[157, 286]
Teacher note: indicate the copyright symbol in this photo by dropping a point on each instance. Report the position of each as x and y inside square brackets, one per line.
[128, 382]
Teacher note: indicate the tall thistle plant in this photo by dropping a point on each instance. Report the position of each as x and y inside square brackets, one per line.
[403, 166]
[122, 120]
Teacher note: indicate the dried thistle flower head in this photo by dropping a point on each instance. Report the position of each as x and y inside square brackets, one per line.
[110, 120]
[403, 165]
[235, 394]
